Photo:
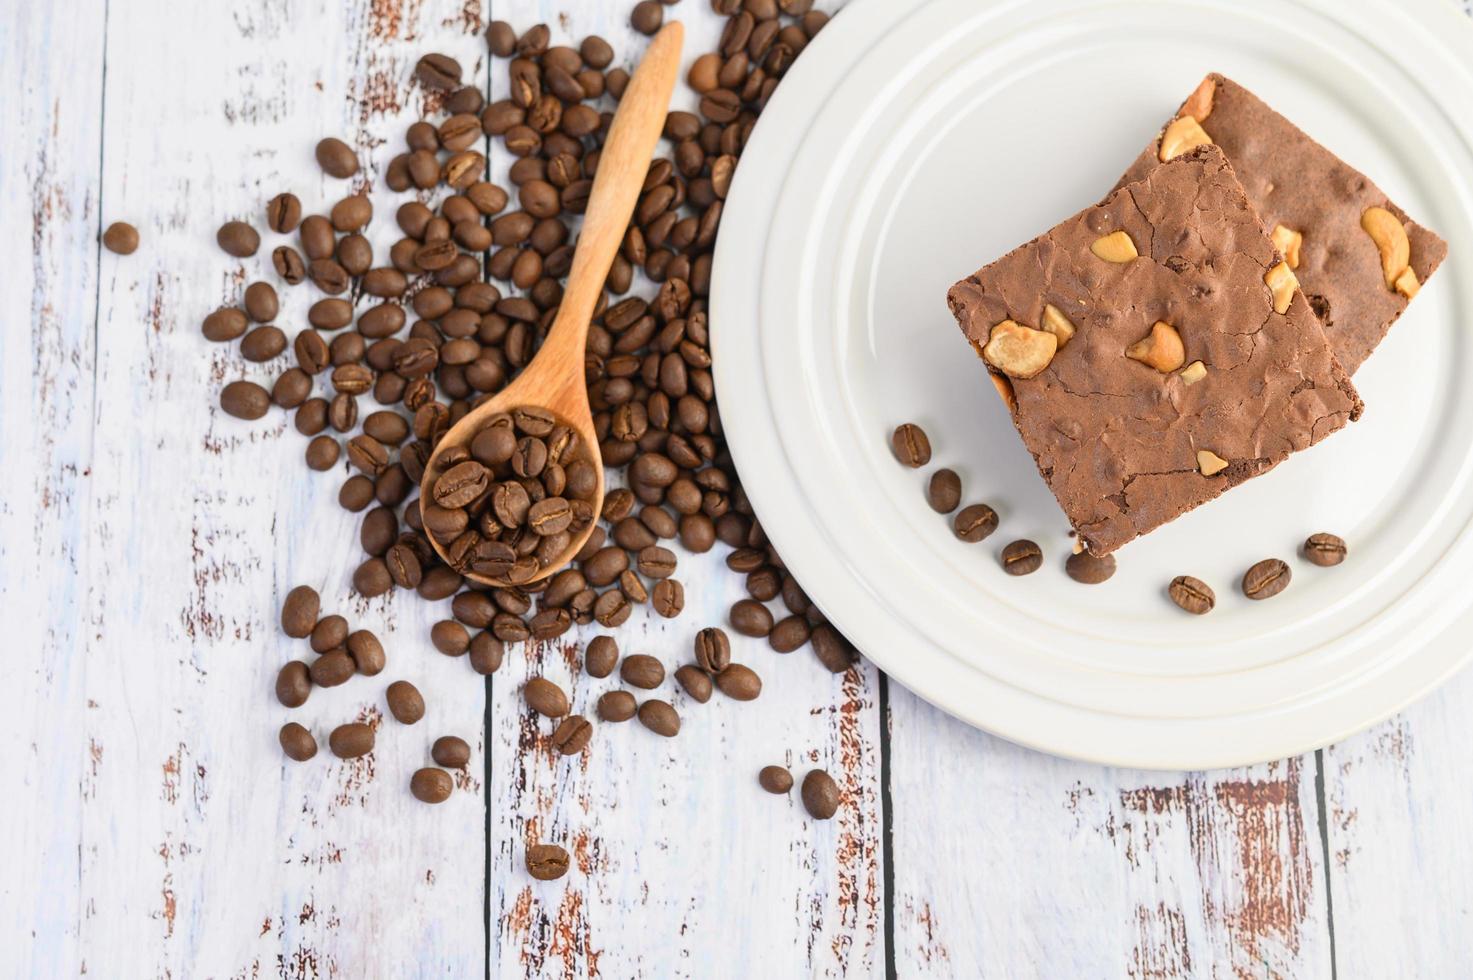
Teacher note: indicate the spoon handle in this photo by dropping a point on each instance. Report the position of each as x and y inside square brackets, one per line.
[622, 167]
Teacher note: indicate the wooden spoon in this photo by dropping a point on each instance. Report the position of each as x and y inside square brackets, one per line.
[554, 381]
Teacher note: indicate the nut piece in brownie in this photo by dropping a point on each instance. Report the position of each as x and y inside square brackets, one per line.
[1358, 256]
[1154, 350]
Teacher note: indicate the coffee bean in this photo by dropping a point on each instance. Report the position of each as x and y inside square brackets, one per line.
[820, 795]
[431, 785]
[545, 697]
[739, 682]
[750, 618]
[406, 704]
[329, 633]
[647, 17]
[601, 657]
[713, 649]
[775, 779]
[616, 706]
[832, 650]
[1266, 579]
[332, 668]
[1324, 550]
[944, 492]
[1021, 558]
[352, 213]
[975, 522]
[910, 445]
[299, 611]
[238, 238]
[642, 670]
[660, 718]
[668, 597]
[288, 264]
[245, 400]
[367, 652]
[695, 681]
[121, 238]
[1192, 594]
[789, 634]
[486, 653]
[260, 302]
[546, 862]
[226, 323]
[293, 684]
[450, 638]
[351, 741]
[262, 344]
[336, 158]
[372, 578]
[1089, 569]
[296, 742]
[283, 212]
[571, 735]
[450, 752]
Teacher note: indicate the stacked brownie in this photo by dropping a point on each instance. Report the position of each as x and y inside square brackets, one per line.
[1201, 323]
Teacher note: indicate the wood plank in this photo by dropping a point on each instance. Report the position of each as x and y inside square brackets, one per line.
[676, 847]
[49, 204]
[1010, 863]
[1398, 808]
[203, 853]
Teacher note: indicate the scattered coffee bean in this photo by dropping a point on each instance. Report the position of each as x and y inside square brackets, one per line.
[647, 17]
[293, 684]
[944, 492]
[571, 735]
[367, 652]
[775, 779]
[329, 632]
[1192, 594]
[336, 158]
[351, 740]
[713, 649]
[1266, 579]
[122, 238]
[911, 446]
[1088, 568]
[1324, 550]
[545, 698]
[832, 650]
[332, 668]
[245, 400]
[296, 742]
[695, 681]
[739, 682]
[975, 522]
[617, 706]
[486, 653]
[820, 795]
[431, 785]
[450, 752]
[789, 634]
[1021, 558]
[642, 670]
[660, 718]
[406, 704]
[601, 657]
[750, 618]
[546, 862]
[283, 212]
[668, 598]
[299, 611]
[238, 238]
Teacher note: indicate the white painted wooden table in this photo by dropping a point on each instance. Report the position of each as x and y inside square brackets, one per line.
[152, 828]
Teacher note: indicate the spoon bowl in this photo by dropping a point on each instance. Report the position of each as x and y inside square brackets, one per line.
[555, 381]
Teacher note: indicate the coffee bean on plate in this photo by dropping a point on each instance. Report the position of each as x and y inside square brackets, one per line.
[1021, 558]
[739, 682]
[775, 779]
[296, 742]
[571, 735]
[1192, 594]
[975, 522]
[820, 795]
[1324, 550]
[406, 704]
[660, 718]
[944, 491]
[1266, 579]
[430, 785]
[1089, 569]
[545, 698]
[546, 862]
[351, 740]
[910, 445]
[451, 752]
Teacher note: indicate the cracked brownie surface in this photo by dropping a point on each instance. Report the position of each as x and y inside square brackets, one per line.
[1295, 183]
[1145, 386]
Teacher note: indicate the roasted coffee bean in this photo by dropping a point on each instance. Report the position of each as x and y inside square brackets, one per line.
[642, 670]
[121, 238]
[322, 453]
[695, 681]
[647, 16]
[438, 72]
[713, 649]
[238, 238]
[545, 697]
[291, 389]
[660, 718]
[616, 706]
[226, 323]
[329, 633]
[367, 652]
[1266, 579]
[601, 656]
[260, 302]
[372, 578]
[486, 653]
[1192, 594]
[910, 445]
[775, 779]
[820, 795]
[245, 400]
[1089, 569]
[431, 785]
[336, 158]
[656, 562]
[751, 618]
[450, 752]
[332, 668]
[283, 212]
[351, 741]
[316, 235]
[299, 611]
[293, 684]
[405, 702]
[668, 597]
[739, 682]
[612, 609]
[832, 650]
[546, 862]
[351, 213]
[450, 638]
[288, 264]
[764, 584]
[1021, 558]
[571, 735]
[296, 742]
[975, 522]
[1324, 550]
[789, 634]
[944, 492]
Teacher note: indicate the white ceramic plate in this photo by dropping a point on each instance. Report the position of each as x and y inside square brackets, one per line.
[917, 140]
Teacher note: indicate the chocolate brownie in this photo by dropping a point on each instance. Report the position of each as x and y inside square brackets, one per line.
[1154, 351]
[1324, 215]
